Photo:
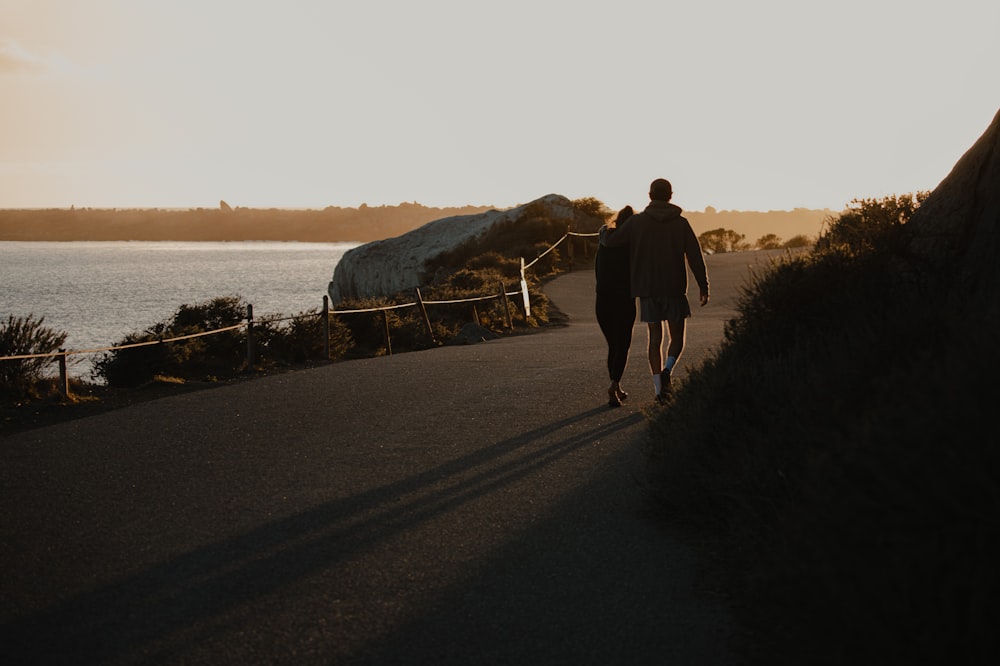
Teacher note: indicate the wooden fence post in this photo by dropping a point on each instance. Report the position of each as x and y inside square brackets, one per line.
[326, 327]
[524, 293]
[506, 303]
[63, 375]
[388, 340]
[569, 245]
[475, 314]
[427, 320]
[251, 351]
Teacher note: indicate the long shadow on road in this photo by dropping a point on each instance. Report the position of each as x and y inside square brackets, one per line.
[158, 613]
[589, 584]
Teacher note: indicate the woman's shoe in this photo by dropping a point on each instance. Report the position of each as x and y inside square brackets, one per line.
[613, 399]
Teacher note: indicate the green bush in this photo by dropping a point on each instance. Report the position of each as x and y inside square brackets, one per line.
[278, 341]
[367, 329]
[796, 242]
[720, 241]
[300, 339]
[768, 242]
[492, 260]
[871, 224]
[208, 357]
[24, 336]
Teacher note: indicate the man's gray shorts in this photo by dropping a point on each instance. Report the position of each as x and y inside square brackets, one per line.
[664, 308]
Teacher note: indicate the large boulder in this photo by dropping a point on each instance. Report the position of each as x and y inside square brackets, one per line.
[388, 267]
[959, 222]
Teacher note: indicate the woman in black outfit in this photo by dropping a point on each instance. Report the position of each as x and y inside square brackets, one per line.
[615, 308]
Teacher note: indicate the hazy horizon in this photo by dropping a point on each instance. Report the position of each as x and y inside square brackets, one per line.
[764, 106]
[706, 210]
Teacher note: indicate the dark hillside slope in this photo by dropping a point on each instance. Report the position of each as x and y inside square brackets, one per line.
[839, 454]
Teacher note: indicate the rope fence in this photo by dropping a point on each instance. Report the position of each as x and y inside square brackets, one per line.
[63, 354]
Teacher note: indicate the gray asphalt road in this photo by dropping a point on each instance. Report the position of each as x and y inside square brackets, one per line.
[463, 505]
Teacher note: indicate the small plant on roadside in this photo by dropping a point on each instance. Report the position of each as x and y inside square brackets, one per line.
[300, 339]
[22, 336]
[366, 328]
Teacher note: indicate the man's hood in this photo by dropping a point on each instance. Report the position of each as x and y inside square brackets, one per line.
[662, 211]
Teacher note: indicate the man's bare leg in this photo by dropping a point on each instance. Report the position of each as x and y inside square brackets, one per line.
[678, 333]
[655, 350]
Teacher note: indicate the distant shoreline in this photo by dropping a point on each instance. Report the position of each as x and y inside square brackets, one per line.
[331, 224]
[328, 225]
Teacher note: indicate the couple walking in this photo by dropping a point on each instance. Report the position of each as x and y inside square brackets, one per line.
[642, 256]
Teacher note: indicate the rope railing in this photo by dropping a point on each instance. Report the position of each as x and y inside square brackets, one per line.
[146, 343]
[327, 312]
[395, 306]
[290, 318]
[475, 299]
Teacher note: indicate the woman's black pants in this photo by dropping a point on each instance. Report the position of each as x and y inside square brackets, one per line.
[616, 317]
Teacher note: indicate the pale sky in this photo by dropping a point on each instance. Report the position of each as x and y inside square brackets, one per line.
[751, 105]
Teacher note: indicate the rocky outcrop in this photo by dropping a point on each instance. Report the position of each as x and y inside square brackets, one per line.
[388, 267]
[960, 220]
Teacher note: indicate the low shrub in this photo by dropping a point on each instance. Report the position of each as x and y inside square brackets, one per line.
[870, 224]
[299, 339]
[367, 329]
[205, 358]
[22, 336]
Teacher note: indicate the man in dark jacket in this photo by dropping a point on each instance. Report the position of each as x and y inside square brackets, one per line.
[660, 240]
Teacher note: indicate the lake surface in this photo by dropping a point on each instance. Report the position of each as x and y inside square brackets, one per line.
[97, 292]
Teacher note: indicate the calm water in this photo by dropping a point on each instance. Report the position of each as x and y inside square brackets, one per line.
[99, 291]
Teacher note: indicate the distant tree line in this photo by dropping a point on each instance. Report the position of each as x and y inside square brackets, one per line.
[719, 241]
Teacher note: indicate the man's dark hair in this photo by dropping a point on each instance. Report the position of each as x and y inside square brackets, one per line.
[661, 190]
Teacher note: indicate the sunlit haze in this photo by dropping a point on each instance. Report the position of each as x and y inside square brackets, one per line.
[767, 105]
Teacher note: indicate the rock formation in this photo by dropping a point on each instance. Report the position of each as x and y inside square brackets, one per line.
[388, 267]
[959, 222]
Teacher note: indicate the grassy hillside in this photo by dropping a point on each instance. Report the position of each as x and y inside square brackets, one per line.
[838, 457]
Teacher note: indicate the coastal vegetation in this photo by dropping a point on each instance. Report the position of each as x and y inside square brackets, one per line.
[26, 336]
[278, 342]
[837, 457]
